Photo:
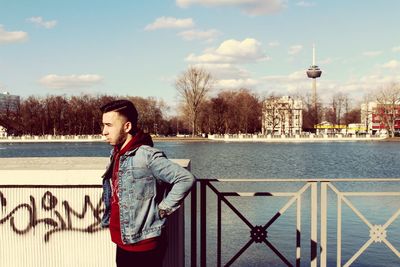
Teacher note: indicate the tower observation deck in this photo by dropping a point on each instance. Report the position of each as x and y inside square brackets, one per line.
[314, 72]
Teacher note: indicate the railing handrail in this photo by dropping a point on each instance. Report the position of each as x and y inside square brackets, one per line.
[305, 180]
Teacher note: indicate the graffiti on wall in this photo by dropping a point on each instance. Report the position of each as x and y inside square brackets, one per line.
[57, 221]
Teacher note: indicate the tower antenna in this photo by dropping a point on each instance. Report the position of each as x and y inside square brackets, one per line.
[314, 72]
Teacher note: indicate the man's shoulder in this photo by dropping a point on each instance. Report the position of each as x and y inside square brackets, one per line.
[148, 149]
[150, 152]
[142, 155]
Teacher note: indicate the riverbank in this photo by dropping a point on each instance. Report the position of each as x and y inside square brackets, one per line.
[211, 138]
[392, 139]
[180, 139]
[309, 138]
[90, 138]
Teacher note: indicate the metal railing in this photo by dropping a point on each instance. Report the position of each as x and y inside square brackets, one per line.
[307, 196]
[50, 138]
[294, 137]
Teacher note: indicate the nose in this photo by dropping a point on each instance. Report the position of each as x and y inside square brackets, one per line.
[104, 132]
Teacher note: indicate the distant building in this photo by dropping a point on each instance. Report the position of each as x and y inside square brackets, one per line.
[8, 103]
[366, 115]
[282, 115]
[355, 128]
[3, 131]
[326, 127]
[374, 115]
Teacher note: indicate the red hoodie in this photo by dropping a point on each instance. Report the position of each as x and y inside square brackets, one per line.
[139, 139]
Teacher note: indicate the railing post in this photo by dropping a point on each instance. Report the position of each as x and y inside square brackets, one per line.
[324, 206]
[219, 231]
[339, 231]
[298, 231]
[193, 225]
[203, 224]
[314, 223]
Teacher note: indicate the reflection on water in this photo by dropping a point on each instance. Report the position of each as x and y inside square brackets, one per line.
[315, 160]
[256, 160]
[285, 160]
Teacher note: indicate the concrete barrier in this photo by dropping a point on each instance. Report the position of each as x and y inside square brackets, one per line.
[50, 212]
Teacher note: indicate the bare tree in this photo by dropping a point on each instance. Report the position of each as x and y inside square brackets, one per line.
[312, 115]
[339, 107]
[150, 113]
[249, 108]
[219, 107]
[55, 110]
[366, 111]
[388, 99]
[193, 86]
[271, 114]
[353, 116]
[231, 124]
[340, 102]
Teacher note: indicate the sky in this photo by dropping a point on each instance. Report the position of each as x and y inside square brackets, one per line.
[139, 48]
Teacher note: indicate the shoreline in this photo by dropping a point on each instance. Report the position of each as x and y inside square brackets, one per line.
[98, 140]
[203, 139]
[392, 139]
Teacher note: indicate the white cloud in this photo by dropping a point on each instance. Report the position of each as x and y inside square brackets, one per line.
[396, 49]
[225, 71]
[295, 49]
[209, 57]
[290, 84]
[392, 64]
[12, 37]
[274, 44]
[297, 83]
[191, 35]
[293, 77]
[250, 7]
[377, 80]
[326, 61]
[236, 83]
[232, 51]
[305, 4]
[169, 23]
[372, 53]
[229, 76]
[367, 83]
[222, 62]
[42, 23]
[70, 81]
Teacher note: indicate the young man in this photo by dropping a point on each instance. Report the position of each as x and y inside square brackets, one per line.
[141, 187]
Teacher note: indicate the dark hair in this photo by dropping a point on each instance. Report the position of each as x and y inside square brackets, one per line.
[124, 108]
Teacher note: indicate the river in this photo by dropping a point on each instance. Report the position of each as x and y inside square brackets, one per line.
[277, 160]
[251, 160]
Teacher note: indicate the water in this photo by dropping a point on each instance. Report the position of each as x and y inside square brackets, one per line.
[253, 160]
[282, 160]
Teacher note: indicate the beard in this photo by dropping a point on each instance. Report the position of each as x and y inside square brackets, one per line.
[121, 138]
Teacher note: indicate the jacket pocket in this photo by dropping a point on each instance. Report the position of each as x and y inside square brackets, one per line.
[144, 187]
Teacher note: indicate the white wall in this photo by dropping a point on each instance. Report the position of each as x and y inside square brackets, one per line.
[51, 217]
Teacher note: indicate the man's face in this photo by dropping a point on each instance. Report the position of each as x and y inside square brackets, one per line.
[115, 128]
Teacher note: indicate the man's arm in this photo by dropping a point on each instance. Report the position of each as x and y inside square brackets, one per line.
[180, 179]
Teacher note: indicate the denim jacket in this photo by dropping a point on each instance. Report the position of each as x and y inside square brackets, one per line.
[147, 182]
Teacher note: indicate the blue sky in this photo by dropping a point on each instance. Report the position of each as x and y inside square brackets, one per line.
[140, 47]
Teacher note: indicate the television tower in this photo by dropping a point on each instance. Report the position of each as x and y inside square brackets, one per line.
[314, 72]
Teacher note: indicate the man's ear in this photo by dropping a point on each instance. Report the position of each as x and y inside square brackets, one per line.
[128, 126]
